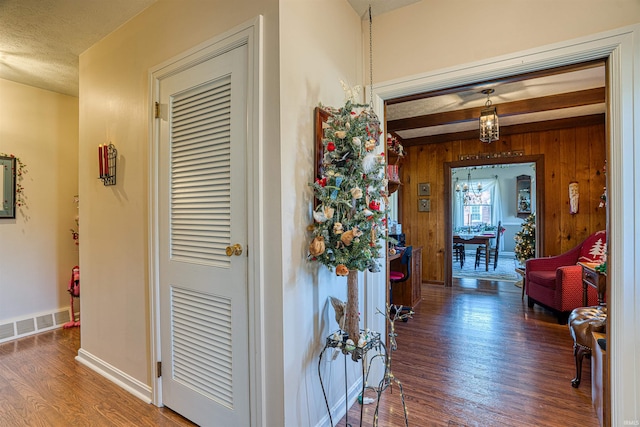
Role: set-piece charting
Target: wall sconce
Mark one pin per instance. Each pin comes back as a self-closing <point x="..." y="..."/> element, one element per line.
<point x="489" y="128"/>
<point x="107" y="155"/>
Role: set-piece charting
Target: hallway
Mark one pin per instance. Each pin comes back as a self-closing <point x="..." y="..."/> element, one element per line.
<point x="476" y="355"/>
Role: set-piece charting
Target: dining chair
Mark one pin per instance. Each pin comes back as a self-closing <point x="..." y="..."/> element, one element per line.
<point x="458" y="253"/>
<point x="481" y="252"/>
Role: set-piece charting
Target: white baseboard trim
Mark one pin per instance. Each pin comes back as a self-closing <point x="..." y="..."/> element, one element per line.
<point x="140" y="390"/>
<point x="338" y="410"/>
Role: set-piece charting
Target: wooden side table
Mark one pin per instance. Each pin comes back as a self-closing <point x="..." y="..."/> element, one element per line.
<point x="591" y="277"/>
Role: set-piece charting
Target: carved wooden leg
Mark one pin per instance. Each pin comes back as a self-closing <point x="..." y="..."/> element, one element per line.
<point x="579" y="353"/>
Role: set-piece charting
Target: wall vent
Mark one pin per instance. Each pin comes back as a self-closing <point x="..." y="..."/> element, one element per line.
<point x="6" y="331"/>
<point x="45" y="321"/>
<point x="38" y="322"/>
<point x="25" y="326"/>
<point x="62" y="317"/>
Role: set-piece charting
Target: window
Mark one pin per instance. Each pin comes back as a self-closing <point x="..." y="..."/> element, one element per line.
<point x="477" y="208"/>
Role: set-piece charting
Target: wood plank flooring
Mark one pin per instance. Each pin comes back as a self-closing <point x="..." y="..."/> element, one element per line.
<point x="42" y="385"/>
<point x="473" y="355"/>
<point x="476" y="355"/>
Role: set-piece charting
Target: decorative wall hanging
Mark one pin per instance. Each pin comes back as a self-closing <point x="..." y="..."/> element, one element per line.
<point x="478" y="156"/>
<point x="7" y="187"/>
<point x="12" y="171"/>
<point x="574" y="197"/>
<point x="107" y="156"/>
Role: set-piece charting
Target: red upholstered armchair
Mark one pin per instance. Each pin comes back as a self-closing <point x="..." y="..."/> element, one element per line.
<point x="556" y="282"/>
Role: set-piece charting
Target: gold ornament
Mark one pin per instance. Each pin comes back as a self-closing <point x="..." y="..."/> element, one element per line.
<point x="317" y="246"/>
<point x="348" y="236"/>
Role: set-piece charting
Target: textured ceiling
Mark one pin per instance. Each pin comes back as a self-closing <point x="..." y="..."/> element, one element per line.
<point x="40" y="40"/>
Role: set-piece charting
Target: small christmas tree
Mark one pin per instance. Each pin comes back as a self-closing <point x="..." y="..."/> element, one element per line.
<point x="349" y="219"/>
<point x="526" y="240"/>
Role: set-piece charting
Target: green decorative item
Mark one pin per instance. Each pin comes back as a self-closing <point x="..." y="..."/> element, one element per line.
<point x="526" y="240"/>
<point x="351" y="194"/>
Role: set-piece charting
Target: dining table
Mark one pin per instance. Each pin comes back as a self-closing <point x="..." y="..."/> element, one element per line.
<point x="481" y="238"/>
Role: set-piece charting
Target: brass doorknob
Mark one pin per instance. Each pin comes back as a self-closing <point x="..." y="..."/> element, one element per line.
<point x="235" y="249"/>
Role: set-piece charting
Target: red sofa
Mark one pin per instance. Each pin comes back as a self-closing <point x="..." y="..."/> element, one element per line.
<point x="556" y="282"/>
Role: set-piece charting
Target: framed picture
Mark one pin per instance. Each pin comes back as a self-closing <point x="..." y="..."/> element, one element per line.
<point x="321" y="117"/>
<point x="7" y="187"/>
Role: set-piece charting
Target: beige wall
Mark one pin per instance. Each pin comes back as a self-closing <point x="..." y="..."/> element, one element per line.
<point x="37" y="251"/>
<point x="436" y="34"/>
<point x="114" y="97"/>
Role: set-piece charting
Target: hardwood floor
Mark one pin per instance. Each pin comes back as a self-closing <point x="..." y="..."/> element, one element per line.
<point x="473" y="355"/>
<point x="42" y="385"/>
<point x="476" y="355"/>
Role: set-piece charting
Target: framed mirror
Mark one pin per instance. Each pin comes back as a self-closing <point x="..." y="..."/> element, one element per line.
<point x="7" y="187"/>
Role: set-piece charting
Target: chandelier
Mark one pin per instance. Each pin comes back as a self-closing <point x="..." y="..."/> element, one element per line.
<point x="466" y="191"/>
<point x="489" y="129"/>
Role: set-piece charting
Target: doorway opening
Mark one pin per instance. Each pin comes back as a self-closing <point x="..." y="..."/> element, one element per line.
<point x="489" y="204"/>
<point x="484" y="223"/>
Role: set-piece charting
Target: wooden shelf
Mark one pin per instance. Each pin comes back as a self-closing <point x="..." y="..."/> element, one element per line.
<point x="393" y="186"/>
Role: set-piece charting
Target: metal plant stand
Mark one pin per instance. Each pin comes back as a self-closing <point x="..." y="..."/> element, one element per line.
<point x="338" y="340"/>
<point x="393" y="313"/>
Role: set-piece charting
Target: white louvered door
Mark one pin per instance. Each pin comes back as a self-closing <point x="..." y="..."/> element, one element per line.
<point x="203" y="291"/>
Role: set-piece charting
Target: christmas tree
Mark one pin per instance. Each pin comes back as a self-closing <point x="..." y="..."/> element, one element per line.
<point x="351" y="194"/>
<point x="526" y="240"/>
<point x="348" y="220"/>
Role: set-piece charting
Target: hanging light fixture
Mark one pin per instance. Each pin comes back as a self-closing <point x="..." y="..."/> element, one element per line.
<point x="489" y="128"/>
<point x="466" y="192"/>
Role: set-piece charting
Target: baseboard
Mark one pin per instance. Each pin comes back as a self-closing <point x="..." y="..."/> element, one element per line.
<point x="137" y="388"/>
<point x="12" y="329"/>
<point x="338" y="410"/>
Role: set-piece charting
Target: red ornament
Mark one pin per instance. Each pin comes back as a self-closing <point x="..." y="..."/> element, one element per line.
<point x="374" y="206"/>
<point x="331" y="146"/>
<point x="321" y="182"/>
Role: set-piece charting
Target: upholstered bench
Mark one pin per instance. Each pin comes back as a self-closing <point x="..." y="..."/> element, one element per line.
<point x="582" y="321"/>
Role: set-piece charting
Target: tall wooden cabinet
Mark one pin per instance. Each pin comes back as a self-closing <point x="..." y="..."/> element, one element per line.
<point x="523" y="196"/>
<point x="408" y="293"/>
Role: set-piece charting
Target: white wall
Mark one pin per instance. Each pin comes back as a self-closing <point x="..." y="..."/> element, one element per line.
<point x="37" y="251"/>
<point x="319" y="47"/>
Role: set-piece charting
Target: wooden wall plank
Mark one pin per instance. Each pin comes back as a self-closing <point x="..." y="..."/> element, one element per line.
<point x="569" y="154"/>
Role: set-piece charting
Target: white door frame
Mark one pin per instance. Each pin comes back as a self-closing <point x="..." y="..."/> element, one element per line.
<point x="249" y="34"/>
<point x="621" y="47"/>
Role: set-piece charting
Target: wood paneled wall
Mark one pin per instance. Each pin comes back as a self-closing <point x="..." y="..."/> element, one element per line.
<point x="570" y="154"/>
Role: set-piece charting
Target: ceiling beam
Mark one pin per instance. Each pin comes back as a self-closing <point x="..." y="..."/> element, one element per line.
<point x="477" y="86"/>
<point x="589" y="120"/>
<point x="526" y="106"/>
